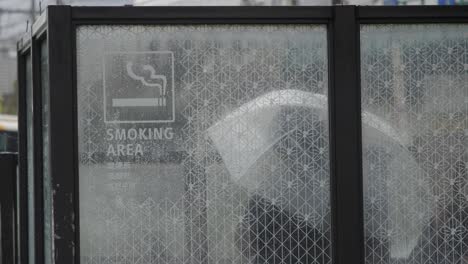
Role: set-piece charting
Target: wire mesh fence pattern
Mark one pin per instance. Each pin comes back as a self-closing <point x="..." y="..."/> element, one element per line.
<point x="416" y="189"/>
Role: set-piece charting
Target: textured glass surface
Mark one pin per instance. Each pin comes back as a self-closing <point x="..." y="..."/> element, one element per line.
<point x="47" y="188"/>
<point x="415" y="79"/>
<point x="30" y="156"/>
<point x="203" y="144"/>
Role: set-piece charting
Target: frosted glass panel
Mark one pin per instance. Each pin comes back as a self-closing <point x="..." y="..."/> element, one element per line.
<point x="203" y="144"/>
<point x="415" y="84"/>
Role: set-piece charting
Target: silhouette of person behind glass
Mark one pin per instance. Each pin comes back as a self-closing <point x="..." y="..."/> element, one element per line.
<point x="271" y="235"/>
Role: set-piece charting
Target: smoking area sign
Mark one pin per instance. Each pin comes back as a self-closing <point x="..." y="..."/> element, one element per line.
<point x="139" y="87"/>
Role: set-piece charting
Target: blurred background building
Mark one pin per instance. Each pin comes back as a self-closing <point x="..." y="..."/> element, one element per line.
<point x="16" y="17"/>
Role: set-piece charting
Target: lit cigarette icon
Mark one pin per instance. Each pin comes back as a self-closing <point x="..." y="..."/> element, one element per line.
<point x="144" y="102"/>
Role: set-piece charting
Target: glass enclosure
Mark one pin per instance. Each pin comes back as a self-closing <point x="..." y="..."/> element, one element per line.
<point x="203" y="144"/>
<point x="415" y="168"/>
<point x="220" y="135"/>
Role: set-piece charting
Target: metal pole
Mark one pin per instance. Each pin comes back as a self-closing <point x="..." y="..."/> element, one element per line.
<point x="33" y="11"/>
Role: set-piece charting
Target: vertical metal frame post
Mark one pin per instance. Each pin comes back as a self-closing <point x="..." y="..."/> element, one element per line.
<point x="346" y="148"/>
<point x="38" y="148"/>
<point x="62" y="133"/>
<point x="22" y="233"/>
<point x="39" y="34"/>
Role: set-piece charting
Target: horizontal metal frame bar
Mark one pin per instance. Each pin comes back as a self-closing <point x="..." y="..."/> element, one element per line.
<point x="200" y="21"/>
<point x="190" y="14"/>
<point x="251" y="15"/>
<point x="412" y="14"/>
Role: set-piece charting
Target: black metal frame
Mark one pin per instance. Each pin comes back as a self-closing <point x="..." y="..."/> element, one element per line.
<point x="29" y="45"/>
<point x="345" y="133"/>
<point x="8" y="208"/>
<point x="38" y="146"/>
<point x="24" y="50"/>
<point x="343" y="24"/>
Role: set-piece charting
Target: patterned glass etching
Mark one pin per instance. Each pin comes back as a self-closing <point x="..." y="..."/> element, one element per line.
<point x="415" y="79"/>
<point x="30" y="157"/>
<point x="47" y="188"/>
<point x="203" y="144"/>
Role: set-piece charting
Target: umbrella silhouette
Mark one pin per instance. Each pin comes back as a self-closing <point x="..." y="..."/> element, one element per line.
<point x="248" y="133"/>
